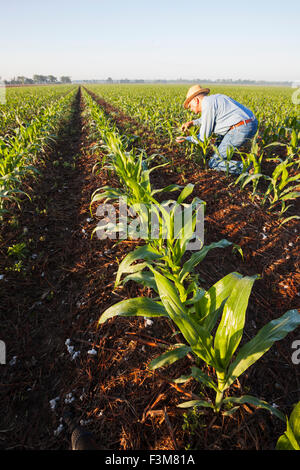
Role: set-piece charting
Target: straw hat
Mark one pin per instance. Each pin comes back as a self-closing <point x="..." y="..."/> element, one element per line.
<point x="194" y="91"/>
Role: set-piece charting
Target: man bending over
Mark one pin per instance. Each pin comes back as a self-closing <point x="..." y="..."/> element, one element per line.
<point x="221" y="115"/>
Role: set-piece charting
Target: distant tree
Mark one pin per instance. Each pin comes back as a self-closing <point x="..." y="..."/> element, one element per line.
<point x="109" y="80"/>
<point x="51" y="79"/>
<point x="21" y="79"/>
<point x="40" y="78"/>
<point x="65" y="79"/>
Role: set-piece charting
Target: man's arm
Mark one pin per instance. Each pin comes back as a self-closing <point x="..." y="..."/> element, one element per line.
<point x="192" y="139"/>
<point x="207" y="122"/>
<point x="185" y="126"/>
<point x="197" y="122"/>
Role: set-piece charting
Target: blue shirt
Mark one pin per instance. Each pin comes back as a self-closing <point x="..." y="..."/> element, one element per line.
<point x="219" y="113"/>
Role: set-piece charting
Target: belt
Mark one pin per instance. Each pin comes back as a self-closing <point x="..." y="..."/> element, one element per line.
<point x="241" y="123"/>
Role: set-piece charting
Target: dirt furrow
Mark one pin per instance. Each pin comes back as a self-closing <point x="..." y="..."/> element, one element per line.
<point x="41" y="300"/>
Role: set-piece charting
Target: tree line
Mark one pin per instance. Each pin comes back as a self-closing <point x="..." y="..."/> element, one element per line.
<point x="37" y="79"/>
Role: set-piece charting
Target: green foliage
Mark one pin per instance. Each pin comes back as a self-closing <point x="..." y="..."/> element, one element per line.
<point x="224" y="307"/>
<point x="211" y="321"/>
<point x="160" y="108"/>
<point x="19" y="251"/>
<point x="290" y="440"/>
<point x="21" y="148"/>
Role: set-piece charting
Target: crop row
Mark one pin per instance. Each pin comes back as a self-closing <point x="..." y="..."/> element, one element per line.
<point x="212" y="320"/>
<point x="21" y="149"/>
<point x="160" y="107"/>
<point x="24" y="104"/>
<point x="274" y="154"/>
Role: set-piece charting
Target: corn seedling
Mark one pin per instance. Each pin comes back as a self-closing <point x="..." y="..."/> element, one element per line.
<point x="290" y="440"/>
<point x="202" y="147"/>
<point x="226" y="302"/>
<point x="254" y="160"/>
<point x="282" y="187"/>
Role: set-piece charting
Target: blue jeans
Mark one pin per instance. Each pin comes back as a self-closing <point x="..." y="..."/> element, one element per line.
<point x="234" y="139"/>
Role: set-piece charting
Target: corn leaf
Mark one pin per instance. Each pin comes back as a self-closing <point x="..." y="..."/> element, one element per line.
<point x="170" y="357"/>
<point x="197" y="337"/>
<point x="290" y="440"/>
<point x="197" y="257"/>
<point x="139" y="306"/>
<point x="169" y="188"/>
<point x="230" y="329"/>
<point x="250" y="352"/>
<point x="203" y="378"/>
<point x="287" y="219"/>
<point x="145" y="278"/>
<point x="250" y="400"/>
<point x="251" y="178"/>
<point x="194" y="403"/>
<point x="294" y="421"/>
<point x="145" y="252"/>
<point x="187" y="190"/>
<point x="209" y="306"/>
<point x="290" y="195"/>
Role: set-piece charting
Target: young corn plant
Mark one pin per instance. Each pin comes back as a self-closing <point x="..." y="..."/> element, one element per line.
<point x="222" y="309"/>
<point x="290" y="440"/>
<point x="229" y="154"/>
<point x="252" y="159"/>
<point x="292" y="148"/>
<point x="136" y="191"/>
<point x="282" y="186"/>
<point x="202" y="148"/>
<point x="167" y="251"/>
<point x="166" y="241"/>
<point x="132" y="171"/>
<point x="169" y="127"/>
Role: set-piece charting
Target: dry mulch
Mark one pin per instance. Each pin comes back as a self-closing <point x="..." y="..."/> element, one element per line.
<point x="67" y="282"/>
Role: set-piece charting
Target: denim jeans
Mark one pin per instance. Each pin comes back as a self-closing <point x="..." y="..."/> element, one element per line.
<point x="234" y="139"/>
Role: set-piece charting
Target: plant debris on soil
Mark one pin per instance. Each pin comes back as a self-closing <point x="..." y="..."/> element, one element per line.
<point x="57" y="356"/>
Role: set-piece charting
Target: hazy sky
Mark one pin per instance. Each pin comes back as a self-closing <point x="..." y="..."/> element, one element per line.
<point x="167" y="39"/>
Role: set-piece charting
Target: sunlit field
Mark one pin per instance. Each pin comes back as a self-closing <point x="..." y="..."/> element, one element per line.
<point x="158" y="343"/>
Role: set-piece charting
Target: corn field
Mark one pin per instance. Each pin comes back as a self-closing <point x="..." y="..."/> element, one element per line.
<point x="160" y="337"/>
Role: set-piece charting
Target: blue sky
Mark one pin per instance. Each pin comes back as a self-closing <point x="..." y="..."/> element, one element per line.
<point x="151" y="39"/>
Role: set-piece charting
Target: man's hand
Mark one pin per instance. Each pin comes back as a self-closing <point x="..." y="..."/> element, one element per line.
<point x="180" y="139"/>
<point x="186" y="125"/>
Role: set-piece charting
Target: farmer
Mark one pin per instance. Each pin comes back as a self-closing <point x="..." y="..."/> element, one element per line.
<point x="221" y="115"/>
